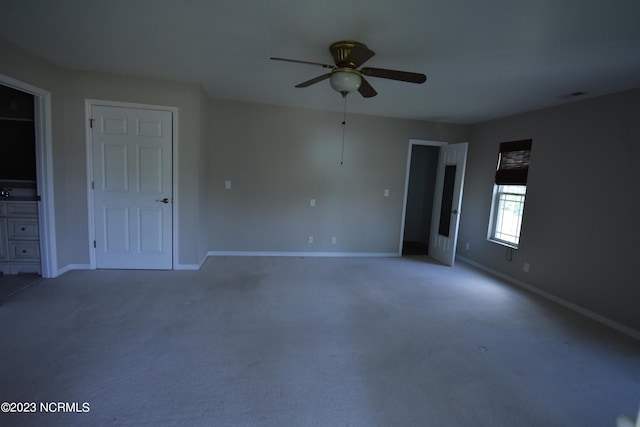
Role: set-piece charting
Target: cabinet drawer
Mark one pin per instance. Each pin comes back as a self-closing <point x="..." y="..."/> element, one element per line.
<point x="24" y="251"/>
<point x="4" y="246"/>
<point x="19" y="228"/>
<point x="22" y="209"/>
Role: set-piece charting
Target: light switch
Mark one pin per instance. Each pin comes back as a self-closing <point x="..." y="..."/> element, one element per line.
<point x="227" y="185"/>
<point x="312" y="203"/>
<point x="386" y="192"/>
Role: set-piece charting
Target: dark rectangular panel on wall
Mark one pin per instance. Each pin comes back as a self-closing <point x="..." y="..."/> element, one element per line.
<point x="447" y="200"/>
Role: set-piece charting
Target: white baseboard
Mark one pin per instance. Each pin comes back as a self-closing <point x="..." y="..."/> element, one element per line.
<point x="188" y="267"/>
<point x="252" y="253"/>
<point x="70" y="267"/>
<point x="191" y="266"/>
<point x="283" y="254"/>
<point x="590" y="314"/>
<point x="305" y="254"/>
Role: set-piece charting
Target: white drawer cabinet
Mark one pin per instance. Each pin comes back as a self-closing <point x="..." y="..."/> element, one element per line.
<point x="4" y="242"/>
<point x="19" y="238"/>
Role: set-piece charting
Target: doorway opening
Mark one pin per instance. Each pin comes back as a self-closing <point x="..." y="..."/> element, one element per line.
<point x="423" y="166"/>
<point x="441" y="215"/>
<point x="32" y="180"/>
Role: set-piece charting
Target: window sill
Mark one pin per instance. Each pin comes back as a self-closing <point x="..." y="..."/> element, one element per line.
<point x="503" y="243"/>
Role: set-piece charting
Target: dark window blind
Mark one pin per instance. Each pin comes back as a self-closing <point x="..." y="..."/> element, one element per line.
<point x="513" y="166"/>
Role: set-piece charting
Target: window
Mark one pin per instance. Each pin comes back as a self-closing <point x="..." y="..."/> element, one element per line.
<point x="509" y="193"/>
<point x="508" y="204"/>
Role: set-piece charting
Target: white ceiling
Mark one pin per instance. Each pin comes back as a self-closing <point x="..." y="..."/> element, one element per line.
<point x="484" y="59"/>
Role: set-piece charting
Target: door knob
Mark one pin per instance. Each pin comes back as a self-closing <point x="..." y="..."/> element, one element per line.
<point x="455" y="211"/>
<point x="165" y="200"/>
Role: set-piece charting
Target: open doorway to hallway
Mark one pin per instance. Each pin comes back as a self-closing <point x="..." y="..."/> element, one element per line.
<point x="420" y="196"/>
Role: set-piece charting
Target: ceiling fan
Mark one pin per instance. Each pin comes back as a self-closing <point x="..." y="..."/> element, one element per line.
<point x="345" y="77"/>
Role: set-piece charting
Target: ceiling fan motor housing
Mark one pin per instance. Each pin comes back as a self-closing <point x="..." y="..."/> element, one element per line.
<point x="341" y="51"/>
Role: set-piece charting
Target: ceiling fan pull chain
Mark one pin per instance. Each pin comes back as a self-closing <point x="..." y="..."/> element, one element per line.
<point x="344" y="125"/>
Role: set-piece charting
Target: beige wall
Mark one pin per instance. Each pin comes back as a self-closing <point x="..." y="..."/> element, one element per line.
<point x="580" y="230"/>
<point x="188" y="99"/>
<point x="69" y="89"/>
<point x="27" y="68"/>
<point x="279" y="158"/>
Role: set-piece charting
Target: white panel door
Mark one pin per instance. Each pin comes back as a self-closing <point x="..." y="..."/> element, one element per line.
<point x="452" y="161"/>
<point x="132" y="191"/>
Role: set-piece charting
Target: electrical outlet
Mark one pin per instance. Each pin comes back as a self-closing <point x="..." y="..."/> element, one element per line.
<point x="526" y="267"/>
<point x="386" y="192"/>
<point x="227" y="185"/>
<point x="312" y="203"/>
<point x="333" y="240"/>
<point x="466" y="246"/>
<point x="310" y="239"/>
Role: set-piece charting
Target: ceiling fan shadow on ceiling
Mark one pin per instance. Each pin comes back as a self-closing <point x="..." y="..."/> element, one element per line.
<point x="345" y="77"/>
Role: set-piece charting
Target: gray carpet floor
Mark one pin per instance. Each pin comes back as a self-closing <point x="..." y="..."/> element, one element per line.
<point x="268" y="341"/>
<point x="12" y="284"/>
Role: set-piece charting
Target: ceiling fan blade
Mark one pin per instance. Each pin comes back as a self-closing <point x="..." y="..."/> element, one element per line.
<point x="314" y="81"/>
<point x="365" y="89"/>
<point x="359" y="55"/>
<point x="403" y="76"/>
<point x="304" y="62"/>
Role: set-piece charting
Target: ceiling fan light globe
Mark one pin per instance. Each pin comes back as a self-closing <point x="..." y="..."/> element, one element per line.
<point x="345" y="81"/>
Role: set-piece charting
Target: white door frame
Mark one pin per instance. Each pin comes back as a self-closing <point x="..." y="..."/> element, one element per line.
<point x="88" y="104"/>
<point x="412" y="143"/>
<point x="44" y="172"/>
